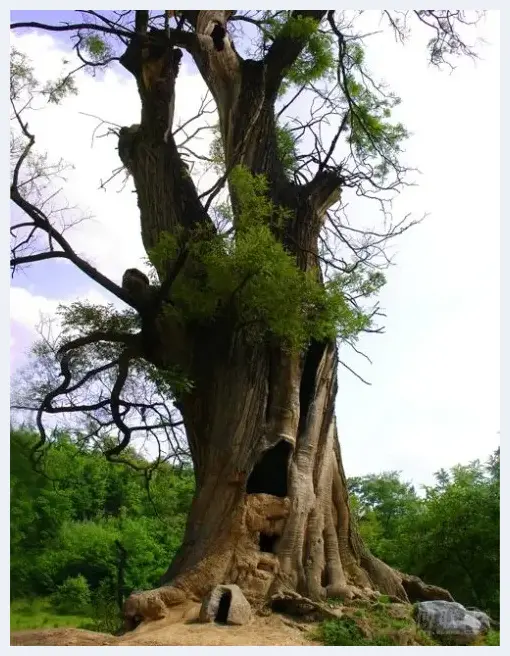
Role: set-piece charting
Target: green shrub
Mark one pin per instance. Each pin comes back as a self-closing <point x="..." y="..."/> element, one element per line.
<point x="73" y="596"/>
<point x="384" y="630"/>
<point x="70" y="527"/>
<point x="345" y="632"/>
<point x="106" y="615"/>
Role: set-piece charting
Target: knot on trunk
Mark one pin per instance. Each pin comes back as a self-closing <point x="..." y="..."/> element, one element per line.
<point x="127" y="145"/>
<point x="138" y="286"/>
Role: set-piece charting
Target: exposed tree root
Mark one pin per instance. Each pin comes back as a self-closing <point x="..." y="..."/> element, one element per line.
<point x="296" y="605"/>
<point x="293" y="551"/>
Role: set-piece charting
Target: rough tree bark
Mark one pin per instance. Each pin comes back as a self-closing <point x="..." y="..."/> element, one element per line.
<point x="271" y="509"/>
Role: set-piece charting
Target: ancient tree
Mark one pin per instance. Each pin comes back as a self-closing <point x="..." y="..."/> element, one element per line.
<point x="256" y="286"/>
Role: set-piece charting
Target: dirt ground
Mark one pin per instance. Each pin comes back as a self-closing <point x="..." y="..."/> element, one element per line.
<point x="179" y="629"/>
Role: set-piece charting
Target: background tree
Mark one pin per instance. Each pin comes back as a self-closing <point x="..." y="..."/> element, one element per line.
<point x="460" y="548"/>
<point x="385" y="508"/>
<point x="66" y="519"/>
<point x="248" y="293"/>
<point x="449" y="535"/>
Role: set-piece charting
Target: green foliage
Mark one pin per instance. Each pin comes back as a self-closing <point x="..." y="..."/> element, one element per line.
<point x="65" y="524"/>
<point x="460" y="548"/>
<point x="492" y="639"/>
<point x="372" y="134"/>
<point x="341" y="632"/>
<point x="286" y="144"/>
<point x="317" y="57"/>
<point x="438" y="537"/>
<point x="345" y="632"/>
<point x="172" y="383"/>
<point x="96" y="48"/>
<point x="105" y="614"/>
<point x="82" y="317"/>
<point x="383" y="493"/>
<point x="255" y="280"/>
<point x="86" y="547"/>
<point x="57" y="90"/>
<point x="73" y="596"/>
<point x="22" y="80"/>
<point x="217" y="152"/>
<point x="372" y="626"/>
<point x="21" y="74"/>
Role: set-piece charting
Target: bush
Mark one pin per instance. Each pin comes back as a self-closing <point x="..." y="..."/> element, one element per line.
<point x="373" y="627"/>
<point x="106" y="616"/>
<point x="342" y="632"/>
<point x="73" y="596"/>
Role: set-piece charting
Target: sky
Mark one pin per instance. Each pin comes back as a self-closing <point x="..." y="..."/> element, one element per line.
<point x="434" y="397"/>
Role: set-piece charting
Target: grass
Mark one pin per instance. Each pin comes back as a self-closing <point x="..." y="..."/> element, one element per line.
<point x="373" y="624"/>
<point x="37" y="613"/>
<point x="492" y="639"/>
<point x="381" y="624"/>
<point x="346" y="632"/>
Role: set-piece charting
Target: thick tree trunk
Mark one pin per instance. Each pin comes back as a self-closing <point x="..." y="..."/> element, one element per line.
<point x="271" y="510"/>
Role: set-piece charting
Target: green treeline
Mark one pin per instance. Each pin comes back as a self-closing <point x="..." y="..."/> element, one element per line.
<point x="450" y="537"/>
<point x="85" y="518"/>
<point x="86" y="530"/>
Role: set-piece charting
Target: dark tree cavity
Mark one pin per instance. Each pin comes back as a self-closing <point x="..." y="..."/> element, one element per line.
<point x="269" y="476"/>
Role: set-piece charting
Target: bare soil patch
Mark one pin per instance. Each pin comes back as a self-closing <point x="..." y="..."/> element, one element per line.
<point x="180" y="628"/>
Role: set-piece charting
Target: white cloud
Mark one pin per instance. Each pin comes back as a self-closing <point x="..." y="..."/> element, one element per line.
<point x="28" y="309"/>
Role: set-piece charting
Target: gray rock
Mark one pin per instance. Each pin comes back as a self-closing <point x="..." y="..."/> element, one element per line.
<point x="483" y="618"/>
<point x="451" y="621"/>
<point x="225" y="604"/>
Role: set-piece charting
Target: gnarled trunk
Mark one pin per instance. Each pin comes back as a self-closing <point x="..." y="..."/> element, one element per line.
<point x="271" y="510"/>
